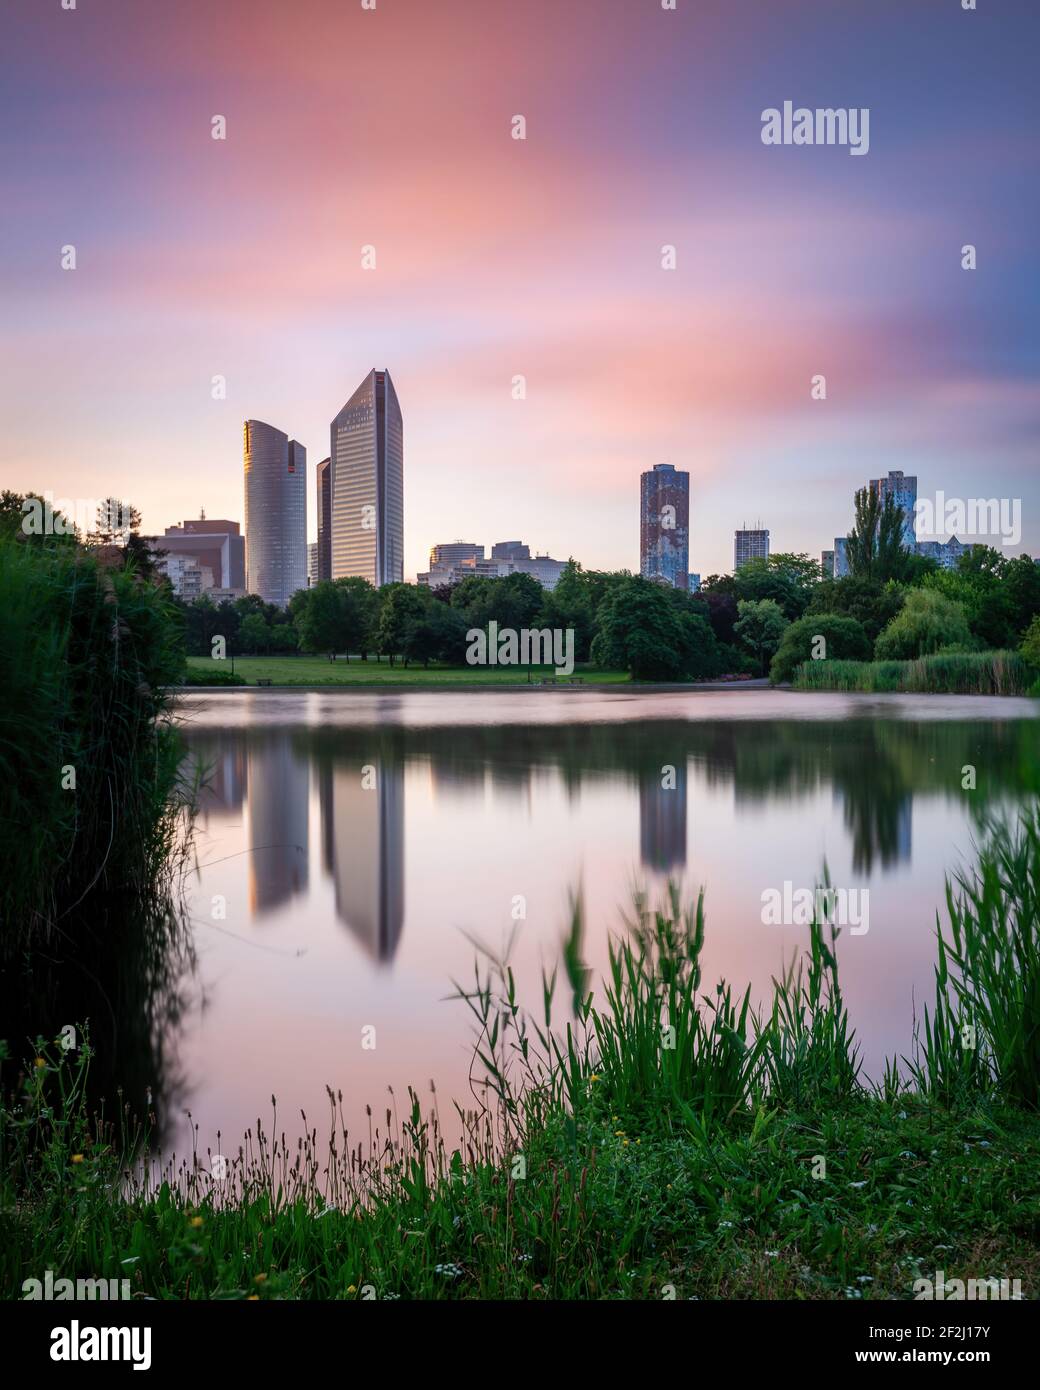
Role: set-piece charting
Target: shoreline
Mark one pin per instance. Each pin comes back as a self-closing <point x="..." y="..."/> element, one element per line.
<point x="462" y="688"/>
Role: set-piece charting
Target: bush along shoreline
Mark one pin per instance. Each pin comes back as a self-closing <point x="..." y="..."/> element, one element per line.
<point x="667" y="1140"/>
<point x="944" y="673"/>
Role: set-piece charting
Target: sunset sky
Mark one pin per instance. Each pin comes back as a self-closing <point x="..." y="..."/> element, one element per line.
<point x="498" y="257"/>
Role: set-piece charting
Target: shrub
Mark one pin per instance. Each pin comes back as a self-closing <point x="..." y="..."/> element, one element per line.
<point x="927" y="622"/>
<point x="843" y="637"/>
<point x="204" y="675"/>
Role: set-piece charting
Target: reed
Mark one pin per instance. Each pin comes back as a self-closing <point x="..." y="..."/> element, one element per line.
<point x="944" y="673"/>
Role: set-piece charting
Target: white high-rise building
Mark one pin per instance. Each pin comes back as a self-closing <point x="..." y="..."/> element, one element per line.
<point x="903" y="491"/>
<point x="275" y="513"/>
<point x="366" y="484"/>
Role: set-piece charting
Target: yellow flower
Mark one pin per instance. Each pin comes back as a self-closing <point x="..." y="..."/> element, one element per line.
<point x="639" y="1141"/>
<point x="77" y="1158"/>
<point x="624" y="1141"/>
<point x="593" y="1077"/>
<point x="351" y="1288"/>
<point x="253" y="1298"/>
<point x="618" y="1133"/>
<point x="196" y="1222"/>
<point x="41" y="1061"/>
<point x="259" y="1278"/>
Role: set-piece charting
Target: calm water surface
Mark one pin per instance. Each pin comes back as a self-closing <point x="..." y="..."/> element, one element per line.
<point x="349" y="843"/>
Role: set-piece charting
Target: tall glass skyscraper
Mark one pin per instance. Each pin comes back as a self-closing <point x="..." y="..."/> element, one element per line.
<point x="324" y="487"/>
<point x="366" y="451"/>
<point x="276" y="513"/>
<point x="664" y="525"/>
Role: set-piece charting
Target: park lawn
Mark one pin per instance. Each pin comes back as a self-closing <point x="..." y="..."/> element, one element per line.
<point x="319" y="670"/>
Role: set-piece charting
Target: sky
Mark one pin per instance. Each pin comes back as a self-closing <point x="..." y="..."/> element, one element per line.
<point x="542" y="258"/>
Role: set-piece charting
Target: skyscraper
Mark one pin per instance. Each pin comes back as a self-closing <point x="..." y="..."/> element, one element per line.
<point x="664" y="525"/>
<point x="749" y="545"/>
<point x="366" y="451"/>
<point x="324" y="482"/>
<point x="903" y="492"/>
<point x="276" y="513"/>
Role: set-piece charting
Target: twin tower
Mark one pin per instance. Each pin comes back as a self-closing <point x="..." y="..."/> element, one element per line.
<point x="360" y="498"/>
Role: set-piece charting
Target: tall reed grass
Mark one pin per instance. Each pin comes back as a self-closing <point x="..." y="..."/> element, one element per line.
<point x="944" y="673"/>
<point x="87" y="652"/>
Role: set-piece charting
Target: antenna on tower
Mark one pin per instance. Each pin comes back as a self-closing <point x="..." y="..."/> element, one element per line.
<point x="202" y="513"/>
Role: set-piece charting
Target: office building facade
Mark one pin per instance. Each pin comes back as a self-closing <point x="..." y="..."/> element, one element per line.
<point x="323" y="479"/>
<point x="664" y="525"/>
<point x="276" y="513"/>
<point x="366" y="453"/>
<point x="749" y="545"/>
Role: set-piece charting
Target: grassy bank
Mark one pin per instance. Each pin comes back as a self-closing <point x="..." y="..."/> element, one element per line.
<point x="665" y="1139"/>
<point x="954" y="673"/>
<point x="319" y="670"/>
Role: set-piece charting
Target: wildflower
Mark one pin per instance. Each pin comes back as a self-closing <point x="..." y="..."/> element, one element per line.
<point x="858" y="1184"/>
<point x="259" y="1278"/>
<point x="77" y="1158"/>
<point x="593" y="1077"/>
<point x="40" y="1062"/>
<point x="619" y="1133"/>
<point x="253" y="1298"/>
<point x="624" y="1142"/>
<point x="351" y="1288"/>
<point x="195" y="1222"/>
<point x="450" y="1271"/>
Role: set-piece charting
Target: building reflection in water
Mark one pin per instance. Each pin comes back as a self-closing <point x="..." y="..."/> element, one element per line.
<point x="279" y="782"/>
<point x="662" y="819"/>
<point x="362" y="816"/>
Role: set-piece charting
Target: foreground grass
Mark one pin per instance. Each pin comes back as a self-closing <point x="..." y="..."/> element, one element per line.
<point x="953" y="673"/>
<point x="665" y="1142"/>
<point x="910" y="1189"/>
<point x="318" y="670"/>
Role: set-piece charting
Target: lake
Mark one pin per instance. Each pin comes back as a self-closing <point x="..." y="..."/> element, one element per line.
<point x="350" y="846"/>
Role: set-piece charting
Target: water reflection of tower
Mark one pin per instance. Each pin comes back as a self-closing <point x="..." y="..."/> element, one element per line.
<point x="662" y="818"/>
<point x="223" y="788"/>
<point x="278" y="789"/>
<point x="362" y="814"/>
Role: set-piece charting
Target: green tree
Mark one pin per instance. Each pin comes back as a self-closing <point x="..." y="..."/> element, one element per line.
<point x="787" y="579"/>
<point x="870" y="602"/>
<point x="760" y="626"/>
<point x="874" y="547"/>
<point x="639" y="629"/>
<point x="1031" y="644"/>
<point x="438" y="635"/>
<point x="254" y="636"/>
<point x="927" y="622"/>
<point x="843" y="638"/>
<point x="401" y="606"/>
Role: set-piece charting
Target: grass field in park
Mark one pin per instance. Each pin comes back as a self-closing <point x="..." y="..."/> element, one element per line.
<point x="319" y="670"/>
